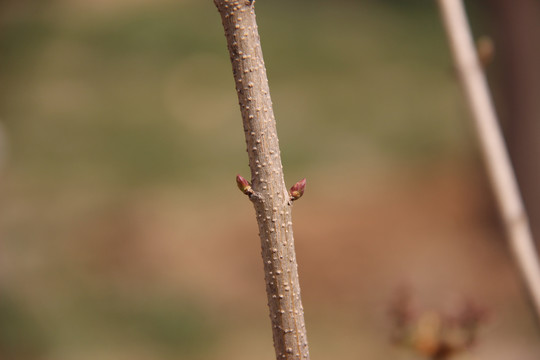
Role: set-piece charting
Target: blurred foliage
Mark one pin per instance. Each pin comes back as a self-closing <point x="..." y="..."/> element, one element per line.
<point x="21" y="336"/>
<point x="144" y="95"/>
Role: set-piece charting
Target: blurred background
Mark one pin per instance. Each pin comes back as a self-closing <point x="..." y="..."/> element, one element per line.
<point x="123" y="235"/>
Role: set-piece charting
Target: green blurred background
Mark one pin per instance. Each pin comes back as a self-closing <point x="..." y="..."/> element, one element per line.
<point x="123" y="235"/>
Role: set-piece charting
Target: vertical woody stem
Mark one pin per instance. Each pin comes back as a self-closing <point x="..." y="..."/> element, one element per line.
<point x="489" y="134"/>
<point x="270" y="199"/>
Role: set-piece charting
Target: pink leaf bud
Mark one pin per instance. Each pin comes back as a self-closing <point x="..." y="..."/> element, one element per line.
<point x="244" y="185"/>
<point x="297" y="190"/>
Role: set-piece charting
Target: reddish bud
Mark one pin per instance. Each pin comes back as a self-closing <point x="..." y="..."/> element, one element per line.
<point x="297" y="190"/>
<point x="244" y="185"/>
<point x="486" y="50"/>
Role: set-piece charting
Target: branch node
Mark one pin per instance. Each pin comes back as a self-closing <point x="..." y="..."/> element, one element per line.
<point x="255" y="196"/>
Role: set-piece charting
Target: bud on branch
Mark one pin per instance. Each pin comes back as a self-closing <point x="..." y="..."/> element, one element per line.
<point x="297" y="190"/>
<point x="244" y="185"/>
<point x="485" y="50"/>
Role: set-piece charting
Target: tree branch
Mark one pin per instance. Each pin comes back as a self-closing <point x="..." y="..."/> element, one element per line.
<point x="494" y="150"/>
<point x="267" y="190"/>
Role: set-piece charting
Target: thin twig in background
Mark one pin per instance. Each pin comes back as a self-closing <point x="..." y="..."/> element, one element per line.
<point x="499" y="168"/>
<point x="267" y="191"/>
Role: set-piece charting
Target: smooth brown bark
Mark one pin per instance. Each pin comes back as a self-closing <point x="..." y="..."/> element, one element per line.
<point x="271" y="198"/>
